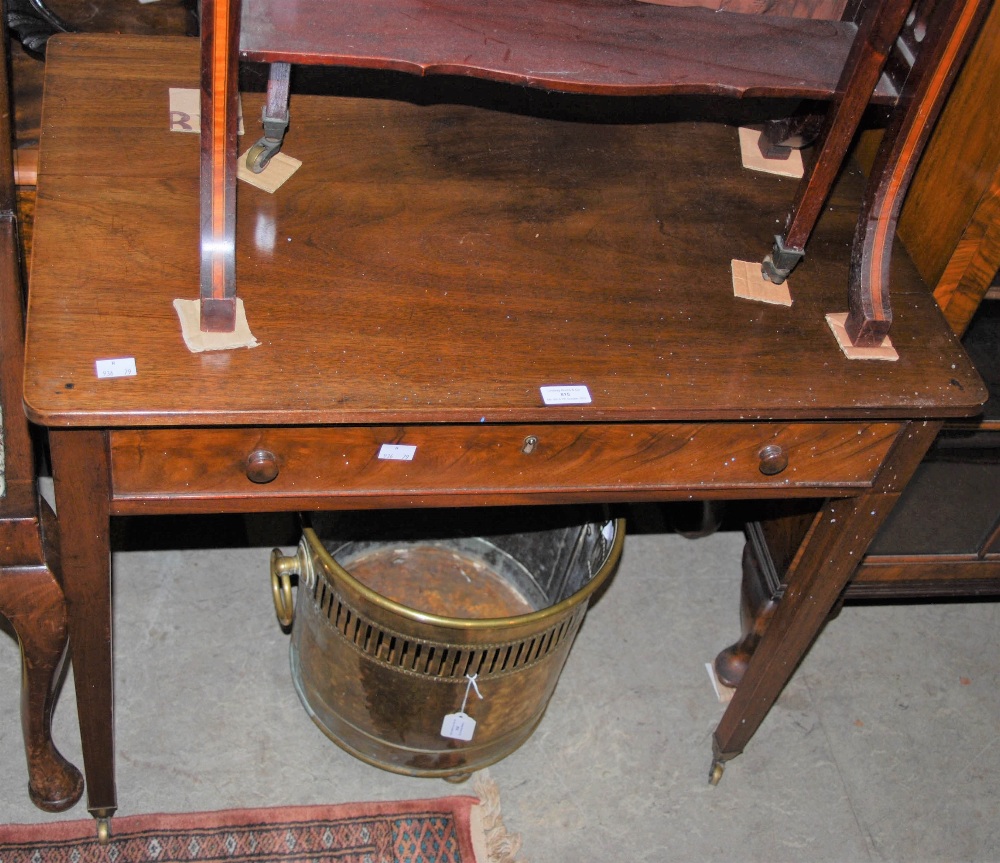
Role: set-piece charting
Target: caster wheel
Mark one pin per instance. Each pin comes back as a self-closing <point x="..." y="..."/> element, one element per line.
<point x="457" y="778"/>
<point x="257" y="157"/>
<point x="103" y="831"/>
<point x="715" y="774"/>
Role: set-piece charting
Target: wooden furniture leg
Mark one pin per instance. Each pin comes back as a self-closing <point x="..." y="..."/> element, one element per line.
<point x="274" y="117"/>
<point x="936" y="41"/>
<point x="949" y="35"/>
<point x="220" y="21"/>
<point x="30" y="595"/>
<point x="834" y="543"/>
<point x="877" y="31"/>
<point x="760" y="592"/>
<point x="81" y="471"/>
<point x="32" y="600"/>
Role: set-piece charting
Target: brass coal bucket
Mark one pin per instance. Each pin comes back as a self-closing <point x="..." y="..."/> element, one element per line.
<point x="430" y="644"/>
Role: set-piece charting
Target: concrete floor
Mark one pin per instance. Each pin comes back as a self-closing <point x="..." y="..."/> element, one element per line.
<point x="885" y="746"/>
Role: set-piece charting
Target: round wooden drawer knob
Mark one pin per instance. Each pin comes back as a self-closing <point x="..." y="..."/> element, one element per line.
<point x="262" y="466"/>
<point x="773" y="459"/>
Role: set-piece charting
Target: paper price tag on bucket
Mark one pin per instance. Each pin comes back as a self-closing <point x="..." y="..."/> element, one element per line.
<point x="461" y="726"/>
<point x="458" y="726"/>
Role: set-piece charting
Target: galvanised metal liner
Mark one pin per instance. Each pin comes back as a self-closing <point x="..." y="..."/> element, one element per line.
<point x="430" y="644"/>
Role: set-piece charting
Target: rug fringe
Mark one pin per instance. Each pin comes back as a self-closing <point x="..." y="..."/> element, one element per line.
<point x="503" y="847"/>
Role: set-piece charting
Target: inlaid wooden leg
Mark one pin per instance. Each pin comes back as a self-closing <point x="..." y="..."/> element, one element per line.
<point x="831" y="550"/>
<point x="31" y="599"/>
<point x="81" y="473"/>
<point x="220" y="21"/>
<point x="949" y="35"/>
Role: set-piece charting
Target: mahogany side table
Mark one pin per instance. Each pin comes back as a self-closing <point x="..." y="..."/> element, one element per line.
<point x="425" y="273"/>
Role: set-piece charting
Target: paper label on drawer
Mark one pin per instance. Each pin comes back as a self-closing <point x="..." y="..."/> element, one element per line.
<point x="123" y="367"/>
<point x="397" y="452"/>
<point x="566" y="395"/>
<point x="458" y="726"/>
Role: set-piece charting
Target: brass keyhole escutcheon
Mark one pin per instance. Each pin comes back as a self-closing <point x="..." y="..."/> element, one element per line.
<point x="530" y="442"/>
<point x="262" y="466"/>
<point x="773" y="459"/>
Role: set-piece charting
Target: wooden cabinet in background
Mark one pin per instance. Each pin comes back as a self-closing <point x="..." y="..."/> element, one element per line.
<point x="950" y="222"/>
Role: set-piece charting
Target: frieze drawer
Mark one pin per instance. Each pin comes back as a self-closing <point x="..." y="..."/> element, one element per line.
<point x="449" y="464"/>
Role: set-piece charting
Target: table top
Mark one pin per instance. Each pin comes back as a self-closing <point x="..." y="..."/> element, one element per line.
<point x="441" y="262"/>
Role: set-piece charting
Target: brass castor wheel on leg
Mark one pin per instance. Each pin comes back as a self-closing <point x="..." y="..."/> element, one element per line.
<point x="715" y="774"/>
<point x="260" y="154"/>
<point x="103" y="831"/>
<point x="457" y="778"/>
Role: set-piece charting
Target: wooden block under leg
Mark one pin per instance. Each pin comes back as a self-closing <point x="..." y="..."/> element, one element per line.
<point x="885" y="351"/>
<point x="749" y="284"/>
<point x="754" y="160"/>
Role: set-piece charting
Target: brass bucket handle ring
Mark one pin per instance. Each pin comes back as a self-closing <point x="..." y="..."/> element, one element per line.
<point x="282" y="570"/>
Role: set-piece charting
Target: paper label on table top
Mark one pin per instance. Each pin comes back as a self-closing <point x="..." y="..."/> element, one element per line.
<point x="123" y="367"/>
<point x="570" y="394"/>
<point x="397" y="452"/>
<point x="185" y="110"/>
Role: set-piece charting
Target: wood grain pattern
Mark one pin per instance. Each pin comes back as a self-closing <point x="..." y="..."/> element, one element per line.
<point x="950" y="33"/>
<point x="632" y="462"/>
<point x="31" y="598"/>
<point x="80" y="464"/>
<point x="951" y="218"/>
<point x="219" y="117"/>
<point x="924" y="576"/>
<point x="571" y="250"/>
<point x="428" y="273"/>
<point x="879" y="28"/>
<point x="816" y="578"/>
<point x="596" y="46"/>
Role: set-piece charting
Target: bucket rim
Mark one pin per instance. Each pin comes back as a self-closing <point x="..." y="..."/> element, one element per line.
<point x="474" y="623"/>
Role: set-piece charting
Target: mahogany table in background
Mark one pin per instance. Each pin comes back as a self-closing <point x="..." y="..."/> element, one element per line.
<point x="423" y="274"/>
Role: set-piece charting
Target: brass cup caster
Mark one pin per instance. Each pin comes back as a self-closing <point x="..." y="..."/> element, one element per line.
<point x="716" y="771"/>
<point x="260" y="154"/>
<point x="103" y="831"/>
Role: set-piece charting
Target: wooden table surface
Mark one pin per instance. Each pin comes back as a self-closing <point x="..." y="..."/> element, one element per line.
<point x="421" y="269"/>
<point x="431" y="265"/>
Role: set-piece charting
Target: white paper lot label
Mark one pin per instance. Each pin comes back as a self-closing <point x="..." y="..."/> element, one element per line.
<point x="458" y="726"/>
<point x="397" y="452"/>
<point x="461" y="726"/>
<point x="566" y="395"/>
<point x="119" y="368"/>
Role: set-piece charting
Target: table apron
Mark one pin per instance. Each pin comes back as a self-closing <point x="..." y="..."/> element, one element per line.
<point x="207" y="469"/>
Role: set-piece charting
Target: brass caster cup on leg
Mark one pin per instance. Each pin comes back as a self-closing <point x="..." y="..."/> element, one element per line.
<point x="715" y="774"/>
<point x="103" y="831"/>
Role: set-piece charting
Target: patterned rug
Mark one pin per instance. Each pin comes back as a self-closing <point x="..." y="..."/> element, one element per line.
<point x="456" y="829"/>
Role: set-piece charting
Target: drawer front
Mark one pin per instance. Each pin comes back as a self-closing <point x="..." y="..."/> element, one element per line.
<point x="464" y="464"/>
